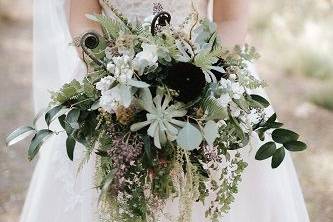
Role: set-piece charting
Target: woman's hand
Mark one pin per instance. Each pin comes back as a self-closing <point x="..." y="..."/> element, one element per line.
<point x="79" y="24"/>
<point x="231" y="18"/>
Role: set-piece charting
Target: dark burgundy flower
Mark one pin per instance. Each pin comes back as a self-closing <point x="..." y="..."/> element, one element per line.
<point x="187" y="79"/>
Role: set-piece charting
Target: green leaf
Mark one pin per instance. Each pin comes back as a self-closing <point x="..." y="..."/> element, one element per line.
<point x="37" y="117"/>
<point x="111" y="27"/>
<point x="273" y="125"/>
<point x="284" y="136"/>
<point x="19" y="134"/>
<point x="70" y="145"/>
<point x="266" y="151"/>
<point x="210" y="132"/>
<point x="189" y="137"/>
<point x="62" y="121"/>
<point x="278" y="157"/>
<point x="147" y="155"/>
<point x="272" y="118"/>
<point x="243" y="104"/>
<point x="237" y="126"/>
<point x="73" y="117"/>
<point x="37" y="141"/>
<point x="295" y="146"/>
<point x="261" y="133"/>
<point x="261" y="100"/>
<point x="214" y="109"/>
<point x="49" y="115"/>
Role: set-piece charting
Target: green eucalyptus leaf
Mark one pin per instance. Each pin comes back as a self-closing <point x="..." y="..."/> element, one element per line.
<point x="243" y="104"/>
<point x="19" y="134"/>
<point x="284" y="136"/>
<point x="261" y="100"/>
<point x="189" y="137"/>
<point x="266" y="151"/>
<point x="70" y="146"/>
<point x="295" y="146"/>
<point x="278" y="157"/>
<point x="210" y="132"/>
<point x="37" y="141"/>
<point x="73" y="117"/>
<point x="95" y="105"/>
<point x="49" y="115"/>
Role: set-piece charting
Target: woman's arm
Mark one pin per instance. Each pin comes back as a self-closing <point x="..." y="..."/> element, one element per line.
<point x="79" y="23"/>
<point x="231" y="18"/>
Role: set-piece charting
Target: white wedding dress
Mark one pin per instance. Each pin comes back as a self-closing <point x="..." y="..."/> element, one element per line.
<point x="58" y="194"/>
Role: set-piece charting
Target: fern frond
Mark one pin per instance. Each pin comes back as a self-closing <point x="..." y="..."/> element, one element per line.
<point x="119" y="15"/>
<point x="206" y="59"/>
<point x="248" y="53"/>
<point x="111" y="27"/>
<point x="213" y="108"/>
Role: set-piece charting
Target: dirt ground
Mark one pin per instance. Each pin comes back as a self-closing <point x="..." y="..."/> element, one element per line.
<point x="289" y="95"/>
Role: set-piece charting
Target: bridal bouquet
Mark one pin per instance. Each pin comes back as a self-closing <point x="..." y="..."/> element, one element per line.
<point x="167" y="110"/>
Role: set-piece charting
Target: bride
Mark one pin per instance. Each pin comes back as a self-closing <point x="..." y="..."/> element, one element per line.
<point x="59" y="194"/>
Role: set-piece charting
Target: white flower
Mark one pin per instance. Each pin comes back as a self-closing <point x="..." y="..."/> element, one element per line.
<point x="237" y="90"/>
<point x="225" y="83"/>
<point x="110" y="100"/>
<point x="234" y="89"/>
<point x="146" y="58"/>
<point x="233" y="76"/>
<point x="235" y="110"/>
<point x="161" y="117"/>
<point x="123" y="80"/>
<point x="109" y="53"/>
<point x="123" y="70"/>
<point x="224" y="100"/>
<point x="110" y="67"/>
<point x="149" y="53"/>
<point x="105" y="83"/>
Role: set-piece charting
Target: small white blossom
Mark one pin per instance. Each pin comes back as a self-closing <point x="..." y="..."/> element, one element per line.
<point x="233" y="76"/>
<point x="225" y="83"/>
<point x="110" y="100"/>
<point x="109" y="54"/>
<point x="123" y="80"/>
<point x="105" y="83"/>
<point x="123" y="70"/>
<point x="237" y="90"/>
<point x="110" y="67"/>
<point x="224" y="100"/>
<point x="235" y="110"/>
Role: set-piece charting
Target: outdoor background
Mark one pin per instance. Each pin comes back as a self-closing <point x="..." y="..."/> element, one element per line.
<point x="295" y="41"/>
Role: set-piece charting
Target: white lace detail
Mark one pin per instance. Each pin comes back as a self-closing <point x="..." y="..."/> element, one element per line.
<point x="140" y="9"/>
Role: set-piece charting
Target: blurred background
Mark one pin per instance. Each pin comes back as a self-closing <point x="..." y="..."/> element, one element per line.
<point x="295" y="41"/>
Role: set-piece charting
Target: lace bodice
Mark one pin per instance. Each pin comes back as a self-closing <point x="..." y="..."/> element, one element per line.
<point x="140" y="9"/>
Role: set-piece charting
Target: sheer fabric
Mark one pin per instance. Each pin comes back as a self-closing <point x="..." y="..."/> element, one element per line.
<point x="58" y="194"/>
